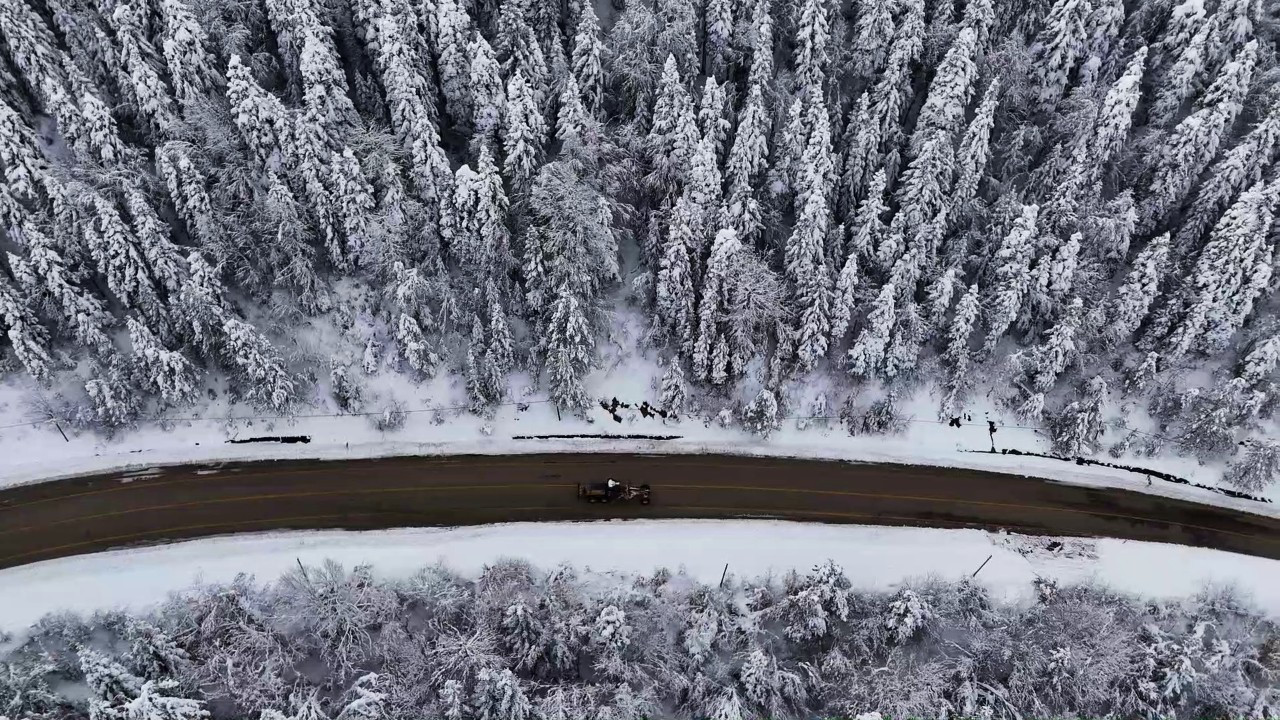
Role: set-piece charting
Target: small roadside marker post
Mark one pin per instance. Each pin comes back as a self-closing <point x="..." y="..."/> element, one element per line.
<point x="984" y="564"/>
<point x="723" y="574"/>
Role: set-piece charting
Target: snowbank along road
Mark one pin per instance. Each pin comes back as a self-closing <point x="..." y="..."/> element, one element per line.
<point x="80" y="515"/>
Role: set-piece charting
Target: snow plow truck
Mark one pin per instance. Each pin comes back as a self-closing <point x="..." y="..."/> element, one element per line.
<point x="610" y="490"/>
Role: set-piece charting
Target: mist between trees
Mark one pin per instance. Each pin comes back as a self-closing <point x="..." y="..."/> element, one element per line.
<point x="522" y="643"/>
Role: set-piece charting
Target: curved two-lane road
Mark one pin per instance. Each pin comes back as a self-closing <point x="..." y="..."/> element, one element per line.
<point x="80" y="515"/>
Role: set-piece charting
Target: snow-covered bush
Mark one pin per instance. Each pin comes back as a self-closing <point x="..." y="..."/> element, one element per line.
<point x="1256" y="468"/>
<point x="760" y="416"/>
<point x="881" y="417"/>
<point x="348" y="393"/>
<point x="907" y="616"/>
<point x="113" y="401"/>
<point x="391" y="418"/>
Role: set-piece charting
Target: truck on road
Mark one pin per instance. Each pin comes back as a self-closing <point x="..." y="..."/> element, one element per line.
<point x="610" y="490"/>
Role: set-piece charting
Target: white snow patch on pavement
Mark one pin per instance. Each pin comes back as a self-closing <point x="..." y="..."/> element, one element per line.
<point x="872" y="557"/>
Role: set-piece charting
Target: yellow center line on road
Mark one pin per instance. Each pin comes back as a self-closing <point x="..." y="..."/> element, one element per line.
<point x="211" y="474"/>
<point x="730" y="488"/>
<point x="280" y="496"/>
<point x="4" y="561"/>
<point x="982" y="503"/>
<point x="773" y="513"/>
<point x="127" y="483"/>
<point x="768" y="511"/>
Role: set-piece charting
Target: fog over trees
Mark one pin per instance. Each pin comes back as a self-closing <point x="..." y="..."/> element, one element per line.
<point x="1071" y="202"/>
<point x="522" y="643"/>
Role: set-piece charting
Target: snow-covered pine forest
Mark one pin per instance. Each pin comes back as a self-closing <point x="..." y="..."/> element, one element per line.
<point x="1070" y="202"/>
<point x="518" y="643"/>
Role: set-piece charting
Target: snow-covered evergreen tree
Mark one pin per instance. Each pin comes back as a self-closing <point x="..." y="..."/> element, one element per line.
<point x="949" y="91"/>
<point x="1116" y="114"/>
<point x="674" y="392"/>
<point x="488" y="97"/>
<point x="1261" y="360"/>
<point x="147" y="91"/>
<point x="499" y="357"/>
<point x="587" y="51"/>
<point x="1059" y="47"/>
<point x="748" y="158"/>
<point x="760" y="35"/>
<point x="760" y="416"/>
<point x="569" y="345"/>
<point x="266" y="380"/>
<point x="19" y="154"/>
<point x="1237" y="169"/>
<point x="43" y="273"/>
<point x="939" y="296"/>
<point x="188" y="191"/>
<point x="674" y="301"/>
<point x="166" y="372"/>
<point x="1133" y="299"/>
<point x="1011" y="276"/>
<point x="1060" y="348"/>
<point x="115" y="251"/>
<point x="719" y="26"/>
<point x="1105" y="25"/>
<point x="673" y="133"/>
<point x="712" y="119"/>
<point x="184" y="44"/>
<point x="1195" y="140"/>
<point x="1230" y="274"/>
<point x="452" y="30"/>
<point x="571" y="118"/>
<point x="110" y="684"/>
<point x="32" y="46"/>
<point x="971" y="157"/>
<point x="845" y="299"/>
<point x="476" y="369"/>
<point x="1078" y="428"/>
<point x="499" y="695"/>
<point x="872" y="35"/>
<point x="957" y="355"/>
<point x="202" y="302"/>
<point x="867" y="353"/>
<point x="155" y="701"/>
<point x="812" y="41"/>
<point x="1179" y="81"/>
<point x="26" y="337"/>
<point x="524" y="133"/>
<point x="810" y="274"/>
<point x="869" y="229"/>
<point x="1256" y="469"/>
<point x="260" y="117"/>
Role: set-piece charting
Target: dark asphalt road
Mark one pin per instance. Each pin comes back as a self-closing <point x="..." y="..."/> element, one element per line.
<point x="81" y="515"/>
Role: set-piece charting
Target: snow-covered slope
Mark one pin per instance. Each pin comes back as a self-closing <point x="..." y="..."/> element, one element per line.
<point x="32" y="453"/>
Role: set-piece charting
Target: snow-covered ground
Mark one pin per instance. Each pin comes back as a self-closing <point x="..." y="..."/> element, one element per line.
<point x="438" y="423"/>
<point x="873" y="558"/>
